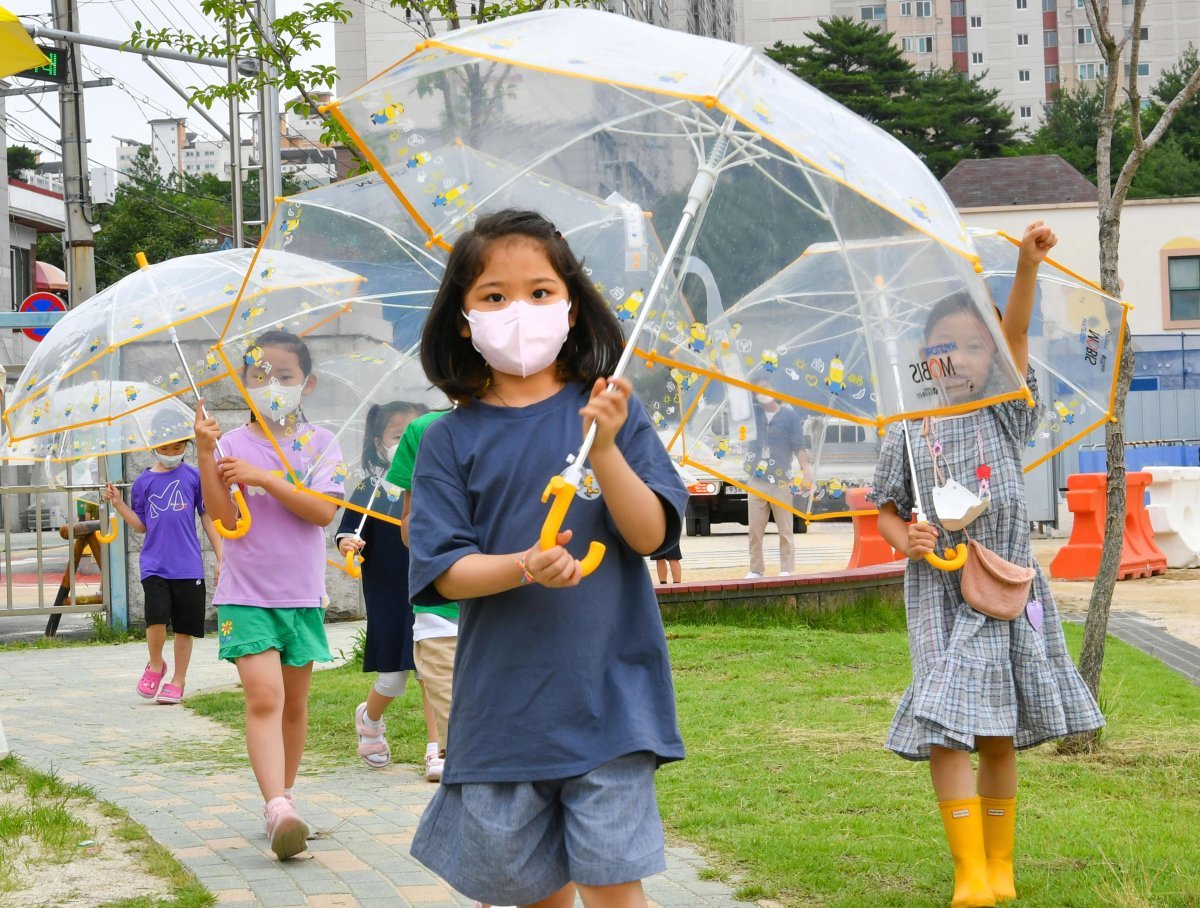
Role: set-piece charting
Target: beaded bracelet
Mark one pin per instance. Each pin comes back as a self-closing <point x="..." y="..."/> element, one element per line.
<point x="526" y="577"/>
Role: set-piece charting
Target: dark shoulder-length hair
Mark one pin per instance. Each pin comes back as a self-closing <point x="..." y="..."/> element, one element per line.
<point x="452" y="363"/>
<point x="378" y="417"/>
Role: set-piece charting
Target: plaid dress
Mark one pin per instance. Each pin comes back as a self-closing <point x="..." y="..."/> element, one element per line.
<point x="974" y="675"/>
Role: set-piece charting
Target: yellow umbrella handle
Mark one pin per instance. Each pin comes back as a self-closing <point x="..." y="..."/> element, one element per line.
<point x="351" y="566"/>
<point x="242" y="525"/>
<point x="563" y="493"/>
<point x="954" y="560"/>
<point x="108" y="537"/>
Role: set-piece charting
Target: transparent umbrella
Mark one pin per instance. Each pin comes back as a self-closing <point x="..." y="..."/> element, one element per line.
<point x="365" y="346"/>
<point x="740" y="163"/>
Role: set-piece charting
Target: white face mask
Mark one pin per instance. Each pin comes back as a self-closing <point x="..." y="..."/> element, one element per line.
<point x="170" y="461"/>
<point x="277" y="402"/>
<point x="389" y="454"/>
<point x="522" y="338"/>
<point x="956" y="505"/>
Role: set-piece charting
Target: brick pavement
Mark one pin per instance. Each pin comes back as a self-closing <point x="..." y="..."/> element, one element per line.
<point x="74" y="711"/>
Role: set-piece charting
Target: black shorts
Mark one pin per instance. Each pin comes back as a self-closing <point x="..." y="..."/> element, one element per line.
<point x="179" y="603"/>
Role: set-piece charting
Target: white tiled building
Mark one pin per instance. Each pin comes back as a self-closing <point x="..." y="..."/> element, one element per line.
<point x="176" y="150"/>
<point x="1025" y="48"/>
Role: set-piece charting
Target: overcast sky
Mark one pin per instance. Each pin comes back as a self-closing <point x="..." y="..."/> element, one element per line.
<point x="138" y="94"/>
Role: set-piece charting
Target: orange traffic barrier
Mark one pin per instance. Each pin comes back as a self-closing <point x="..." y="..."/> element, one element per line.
<point x="869" y="547"/>
<point x="1079" y="559"/>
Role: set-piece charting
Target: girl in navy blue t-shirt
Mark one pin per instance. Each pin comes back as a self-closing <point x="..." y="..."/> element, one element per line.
<point x="563" y="705"/>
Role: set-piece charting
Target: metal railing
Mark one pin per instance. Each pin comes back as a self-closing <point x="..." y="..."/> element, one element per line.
<point x="23" y="598"/>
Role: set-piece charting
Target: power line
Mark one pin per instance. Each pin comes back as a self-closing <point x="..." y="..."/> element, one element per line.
<point x="46" y="143"/>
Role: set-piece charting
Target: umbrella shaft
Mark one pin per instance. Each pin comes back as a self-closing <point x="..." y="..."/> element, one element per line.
<point x="187" y="370"/>
<point x="370" y="501"/>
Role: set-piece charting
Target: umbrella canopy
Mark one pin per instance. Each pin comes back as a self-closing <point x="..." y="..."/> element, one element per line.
<point x="750" y="163"/>
<point x="1074" y="344"/>
<point x="17" y="50"/>
<point x="742" y="164"/>
<point x="365" y="346"/>
<point x="94" y="418"/>
<point x="126" y="333"/>
<point x="361" y="332"/>
<point x="49" y="277"/>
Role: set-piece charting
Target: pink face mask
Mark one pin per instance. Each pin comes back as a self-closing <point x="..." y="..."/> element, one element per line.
<point x="522" y="338"/>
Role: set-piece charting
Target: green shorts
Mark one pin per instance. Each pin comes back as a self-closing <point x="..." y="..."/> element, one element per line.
<point x="298" y="633"/>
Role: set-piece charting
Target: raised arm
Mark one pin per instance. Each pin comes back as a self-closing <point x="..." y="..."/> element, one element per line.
<point x="1035" y="245"/>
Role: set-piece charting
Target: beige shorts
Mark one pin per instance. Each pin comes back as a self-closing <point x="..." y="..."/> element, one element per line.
<point x="435" y="667"/>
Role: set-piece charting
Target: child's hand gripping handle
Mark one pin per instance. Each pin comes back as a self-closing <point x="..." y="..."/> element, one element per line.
<point x="242" y="524"/>
<point x="564" y="491"/>
<point x="955" y="557"/>
<point x="351" y="565"/>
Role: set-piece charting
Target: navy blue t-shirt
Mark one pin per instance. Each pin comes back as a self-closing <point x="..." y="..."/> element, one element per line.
<point x="548" y="683"/>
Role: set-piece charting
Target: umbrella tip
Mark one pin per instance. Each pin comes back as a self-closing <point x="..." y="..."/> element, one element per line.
<point x="142" y="261"/>
<point x="978" y="265"/>
<point x="322" y="109"/>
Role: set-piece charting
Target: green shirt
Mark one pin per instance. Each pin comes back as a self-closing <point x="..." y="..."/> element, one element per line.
<point x="400" y="473"/>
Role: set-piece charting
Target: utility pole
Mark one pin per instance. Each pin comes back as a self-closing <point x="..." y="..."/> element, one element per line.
<point x="79" y="245"/>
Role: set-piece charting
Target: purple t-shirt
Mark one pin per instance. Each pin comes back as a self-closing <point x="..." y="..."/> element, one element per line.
<point x="280" y="562"/>
<point x="167" y="503"/>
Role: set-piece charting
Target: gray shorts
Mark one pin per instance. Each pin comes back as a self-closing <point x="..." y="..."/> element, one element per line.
<point x="513" y="843"/>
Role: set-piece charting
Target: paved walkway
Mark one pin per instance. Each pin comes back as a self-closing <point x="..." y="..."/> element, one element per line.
<point x="74" y="711"/>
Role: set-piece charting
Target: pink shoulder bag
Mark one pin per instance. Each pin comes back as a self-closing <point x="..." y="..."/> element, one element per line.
<point x="993" y="585"/>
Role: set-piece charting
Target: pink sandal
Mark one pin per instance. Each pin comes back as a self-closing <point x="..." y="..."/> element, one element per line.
<point x="170" y="693"/>
<point x="147" y="686"/>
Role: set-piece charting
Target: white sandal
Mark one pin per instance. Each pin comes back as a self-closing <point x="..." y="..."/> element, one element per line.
<point x="372" y="745"/>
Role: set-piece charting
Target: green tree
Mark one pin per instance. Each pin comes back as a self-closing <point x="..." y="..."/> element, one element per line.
<point x="1171" y="81"/>
<point x="1168" y="171"/>
<point x="163" y="218"/>
<point x="1071" y="127"/>
<point x="857" y="65"/>
<point x="940" y="115"/>
<point x="21" y="157"/>
<point x="960" y="118"/>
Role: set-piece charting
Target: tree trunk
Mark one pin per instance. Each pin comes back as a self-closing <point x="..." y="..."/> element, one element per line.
<point x="1095" y="632"/>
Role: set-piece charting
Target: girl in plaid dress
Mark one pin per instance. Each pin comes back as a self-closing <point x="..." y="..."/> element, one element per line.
<point x="979" y="684"/>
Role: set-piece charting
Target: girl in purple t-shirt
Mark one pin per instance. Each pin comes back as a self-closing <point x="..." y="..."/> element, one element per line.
<point x="270" y="598"/>
<point x="165" y="501"/>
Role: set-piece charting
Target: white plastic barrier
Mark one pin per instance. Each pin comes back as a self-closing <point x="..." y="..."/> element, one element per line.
<point x="3" y="743"/>
<point x="1175" y="513"/>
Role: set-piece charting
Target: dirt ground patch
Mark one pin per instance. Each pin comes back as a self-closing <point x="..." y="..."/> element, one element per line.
<point x="102" y="867"/>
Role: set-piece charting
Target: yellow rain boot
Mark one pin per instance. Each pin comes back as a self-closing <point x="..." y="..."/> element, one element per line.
<point x="964" y="832"/>
<point x="999" y="831"/>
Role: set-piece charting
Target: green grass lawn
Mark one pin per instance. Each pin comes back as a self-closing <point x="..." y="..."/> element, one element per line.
<point x="788" y="791"/>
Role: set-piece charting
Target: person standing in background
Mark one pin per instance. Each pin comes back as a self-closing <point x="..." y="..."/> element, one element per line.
<point x="781" y="438"/>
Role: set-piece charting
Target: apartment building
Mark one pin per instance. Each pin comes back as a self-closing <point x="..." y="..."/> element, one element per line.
<point x="1025" y="48"/>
